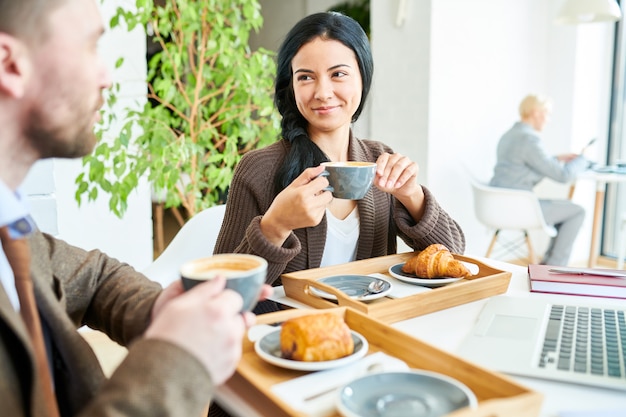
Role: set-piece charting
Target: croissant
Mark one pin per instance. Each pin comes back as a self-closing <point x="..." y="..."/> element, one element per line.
<point x="316" y="337"/>
<point x="436" y="261"/>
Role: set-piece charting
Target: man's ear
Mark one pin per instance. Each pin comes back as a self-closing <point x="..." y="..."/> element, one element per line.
<point x="14" y="66"/>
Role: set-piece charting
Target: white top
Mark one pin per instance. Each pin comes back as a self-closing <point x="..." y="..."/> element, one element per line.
<point x="342" y="237"/>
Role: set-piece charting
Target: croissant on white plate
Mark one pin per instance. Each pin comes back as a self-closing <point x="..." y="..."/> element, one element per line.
<point x="436" y="261"/>
<point x="316" y="337"/>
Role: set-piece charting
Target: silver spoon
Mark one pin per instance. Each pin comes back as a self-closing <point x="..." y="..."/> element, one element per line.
<point x="376" y="286"/>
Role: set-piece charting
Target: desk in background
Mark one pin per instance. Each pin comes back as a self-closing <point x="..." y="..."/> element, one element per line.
<point x="601" y="179"/>
<point x="446" y="329"/>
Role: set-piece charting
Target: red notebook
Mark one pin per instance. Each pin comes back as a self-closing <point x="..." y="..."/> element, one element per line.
<point x="542" y="280"/>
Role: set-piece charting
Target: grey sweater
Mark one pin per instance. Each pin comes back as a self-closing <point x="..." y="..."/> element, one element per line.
<point x="382" y="217"/>
<point x="522" y="161"/>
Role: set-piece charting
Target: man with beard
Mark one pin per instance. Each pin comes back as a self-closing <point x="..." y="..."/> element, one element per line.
<point x="181" y="345"/>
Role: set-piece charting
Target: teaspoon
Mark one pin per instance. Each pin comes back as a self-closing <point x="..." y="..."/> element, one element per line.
<point x="376" y="286"/>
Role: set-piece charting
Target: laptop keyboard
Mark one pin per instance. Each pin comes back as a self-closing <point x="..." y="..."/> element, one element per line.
<point x="585" y="340"/>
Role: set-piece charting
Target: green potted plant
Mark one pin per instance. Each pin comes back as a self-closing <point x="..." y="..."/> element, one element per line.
<point x="209" y="101"/>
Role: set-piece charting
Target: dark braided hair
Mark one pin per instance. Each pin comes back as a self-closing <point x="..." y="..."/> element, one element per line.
<point x="304" y="153"/>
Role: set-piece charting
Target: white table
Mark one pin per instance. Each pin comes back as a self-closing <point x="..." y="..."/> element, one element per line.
<point x="447" y="328"/>
<point x="601" y="180"/>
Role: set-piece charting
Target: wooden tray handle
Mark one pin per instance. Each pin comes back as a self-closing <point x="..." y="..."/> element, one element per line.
<point x="342" y="299"/>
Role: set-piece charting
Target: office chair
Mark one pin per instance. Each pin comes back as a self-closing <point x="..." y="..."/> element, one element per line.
<point x="195" y="239"/>
<point x="509" y="209"/>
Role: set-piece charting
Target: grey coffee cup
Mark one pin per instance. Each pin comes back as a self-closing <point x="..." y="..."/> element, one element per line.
<point x="244" y="274"/>
<point x="349" y="180"/>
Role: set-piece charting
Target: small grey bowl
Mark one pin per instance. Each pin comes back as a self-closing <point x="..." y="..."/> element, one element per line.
<point x="413" y="393"/>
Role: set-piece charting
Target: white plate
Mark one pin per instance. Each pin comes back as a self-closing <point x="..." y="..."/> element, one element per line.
<point x="268" y="348"/>
<point x="396" y="271"/>
<point x="354" y="286"/>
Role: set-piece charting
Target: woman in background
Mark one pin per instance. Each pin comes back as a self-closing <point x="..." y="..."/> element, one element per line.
<point x="277" y="207"/>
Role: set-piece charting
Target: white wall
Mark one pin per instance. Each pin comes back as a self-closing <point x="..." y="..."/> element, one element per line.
<point x="401" y="90"/>
<point x="449" y="80"/>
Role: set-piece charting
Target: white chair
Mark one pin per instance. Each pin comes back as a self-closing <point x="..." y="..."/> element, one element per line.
<point x="509" y="209"/>
<point x="195" y="239"/>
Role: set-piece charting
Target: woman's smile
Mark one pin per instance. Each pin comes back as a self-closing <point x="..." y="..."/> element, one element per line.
<point x="325" y="109"/>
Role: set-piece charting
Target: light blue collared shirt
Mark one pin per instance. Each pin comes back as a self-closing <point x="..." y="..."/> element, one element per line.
<point x="15" y="213"/>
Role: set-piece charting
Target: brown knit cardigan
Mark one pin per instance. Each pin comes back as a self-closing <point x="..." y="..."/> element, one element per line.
<point x="382" y="217"/>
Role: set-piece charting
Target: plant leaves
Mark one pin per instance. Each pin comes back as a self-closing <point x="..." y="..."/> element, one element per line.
<point x="210" y="100"/>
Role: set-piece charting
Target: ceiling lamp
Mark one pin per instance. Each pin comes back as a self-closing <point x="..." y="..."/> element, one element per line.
<point x="574" y="12"/>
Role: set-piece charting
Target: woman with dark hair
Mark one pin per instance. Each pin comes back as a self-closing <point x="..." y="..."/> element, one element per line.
<point x="277" y="207"/>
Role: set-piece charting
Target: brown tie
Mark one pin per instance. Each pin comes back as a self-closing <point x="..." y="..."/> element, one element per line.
<point x="18" y="254"/>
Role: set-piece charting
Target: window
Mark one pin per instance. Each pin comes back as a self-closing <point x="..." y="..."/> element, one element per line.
<point x="615" y="200"/>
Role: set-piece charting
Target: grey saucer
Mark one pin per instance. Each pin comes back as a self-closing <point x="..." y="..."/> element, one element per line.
<point x="354" y="286"/>
<point x="412" y="393"/>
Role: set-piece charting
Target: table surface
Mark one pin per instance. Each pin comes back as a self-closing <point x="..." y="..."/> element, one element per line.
<point x="601" y="176"/>
<point x="601" y="179"/>
<point x="446" y="329"/>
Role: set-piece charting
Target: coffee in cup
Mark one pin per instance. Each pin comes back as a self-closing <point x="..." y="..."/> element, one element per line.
<point x="350" y="180"/>
<point x="244" y="274"/>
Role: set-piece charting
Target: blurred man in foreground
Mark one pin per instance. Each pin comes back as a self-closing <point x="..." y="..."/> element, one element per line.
<point x="181" y="345"/>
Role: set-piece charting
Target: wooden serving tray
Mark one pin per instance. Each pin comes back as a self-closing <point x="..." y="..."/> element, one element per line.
<point x="498" y="395"/>
<point x="489" y="281"/>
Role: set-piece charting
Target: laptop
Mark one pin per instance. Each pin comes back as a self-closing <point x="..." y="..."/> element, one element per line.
<point x="575" y="343"/>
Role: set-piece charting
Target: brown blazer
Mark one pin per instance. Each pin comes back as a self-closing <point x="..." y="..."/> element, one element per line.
<point x="74" y="287"/>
